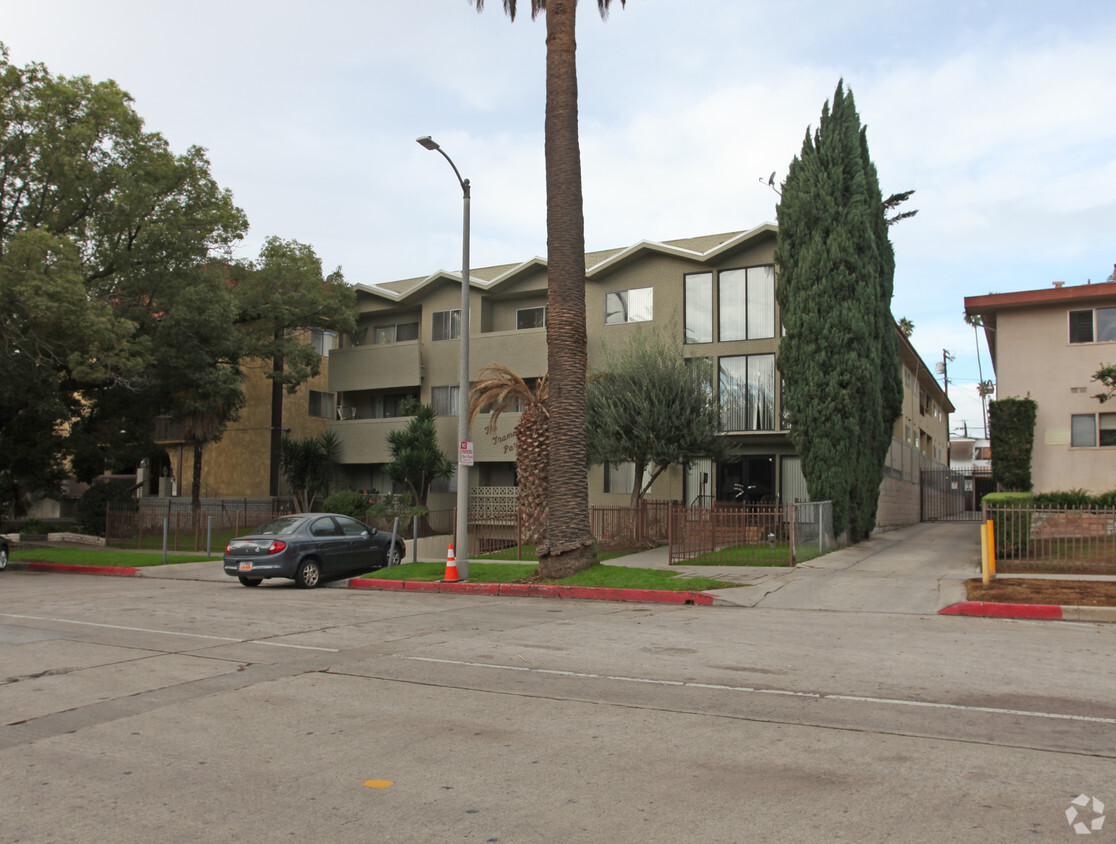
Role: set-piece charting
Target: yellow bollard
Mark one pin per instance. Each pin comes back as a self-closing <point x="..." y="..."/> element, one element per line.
<point x="984" y="573"/>
<point x="992" y="548"/>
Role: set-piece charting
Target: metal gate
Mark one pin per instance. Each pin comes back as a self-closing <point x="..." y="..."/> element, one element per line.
<point x="950" y="495"/>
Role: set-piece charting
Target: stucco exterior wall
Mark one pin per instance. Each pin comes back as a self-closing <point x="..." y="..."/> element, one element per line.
<point x="1034" y="357"/>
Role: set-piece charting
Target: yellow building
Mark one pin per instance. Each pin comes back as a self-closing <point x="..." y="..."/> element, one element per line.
<point x="244" y="463"/>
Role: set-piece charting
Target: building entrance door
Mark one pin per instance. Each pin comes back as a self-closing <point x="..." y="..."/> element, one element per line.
<point x="750" y="480"/>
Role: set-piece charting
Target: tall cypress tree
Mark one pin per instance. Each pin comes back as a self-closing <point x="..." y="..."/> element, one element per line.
<point x="840" y="357"/>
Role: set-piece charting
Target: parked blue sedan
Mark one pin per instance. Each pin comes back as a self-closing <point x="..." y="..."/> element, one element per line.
<point x="310" y="548"/>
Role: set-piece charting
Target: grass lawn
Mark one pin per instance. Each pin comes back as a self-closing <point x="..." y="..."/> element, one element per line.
<point x="753" y="554"/>
<point x="619" y="577"/>
<point x="99" y="557"/>
<point x="527" y="553"/>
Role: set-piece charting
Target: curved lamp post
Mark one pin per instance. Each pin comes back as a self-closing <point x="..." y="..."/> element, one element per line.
<point x="461" y="547"/>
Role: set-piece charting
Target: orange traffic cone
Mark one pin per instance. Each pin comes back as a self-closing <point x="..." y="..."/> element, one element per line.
<point x="451" y="567"/>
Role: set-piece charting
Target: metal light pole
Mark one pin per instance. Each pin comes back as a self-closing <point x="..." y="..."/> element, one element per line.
<point x="461" y="548"/>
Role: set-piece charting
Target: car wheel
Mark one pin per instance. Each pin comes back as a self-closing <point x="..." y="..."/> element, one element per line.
<point x="395" y="556"/>
<point x="3" y="558"/>
<point x="249" y="581"/>
<point x="308" y="574"/>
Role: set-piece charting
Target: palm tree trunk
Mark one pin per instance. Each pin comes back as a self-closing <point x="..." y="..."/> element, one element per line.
<point x="569" y="545"/>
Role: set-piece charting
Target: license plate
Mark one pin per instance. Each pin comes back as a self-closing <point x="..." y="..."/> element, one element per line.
<point x="244" y="565"/>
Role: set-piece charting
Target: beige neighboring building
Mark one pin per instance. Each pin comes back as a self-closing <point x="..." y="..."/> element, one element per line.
<point x="714" y="294"/>
<point x="1048" y="344"/>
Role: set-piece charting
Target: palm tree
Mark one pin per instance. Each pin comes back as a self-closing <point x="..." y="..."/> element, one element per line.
<point x="569" y="546"/>
<point x="977" y="321"/>
<point x="500" y="389"/>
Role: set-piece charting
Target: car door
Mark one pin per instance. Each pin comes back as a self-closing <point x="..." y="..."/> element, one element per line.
<point x="332" y="546"/>
<point x="366" y="549"/>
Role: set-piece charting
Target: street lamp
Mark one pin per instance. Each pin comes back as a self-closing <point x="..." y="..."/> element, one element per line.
<point x="462" y="545"/>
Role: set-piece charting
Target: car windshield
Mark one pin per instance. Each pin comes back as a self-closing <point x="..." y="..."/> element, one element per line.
<point x="279" y="527"/>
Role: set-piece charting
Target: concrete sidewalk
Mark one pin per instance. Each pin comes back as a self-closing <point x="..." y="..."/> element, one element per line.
<point x="917" y="569"/>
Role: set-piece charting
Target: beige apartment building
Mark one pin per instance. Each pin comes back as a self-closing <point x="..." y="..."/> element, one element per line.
<point x="1047" y="344"/>
<point x="714" y="294"/>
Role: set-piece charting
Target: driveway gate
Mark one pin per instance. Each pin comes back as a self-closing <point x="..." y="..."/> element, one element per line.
<point x="949" y="495"/>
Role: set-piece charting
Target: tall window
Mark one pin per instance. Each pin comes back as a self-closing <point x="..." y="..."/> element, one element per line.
<point x="634" y="305"/>
<point x="1092" y="326"/>
<point x="699" y="308"/>
<point x="747" y="304"/>
<point x="446" y="325"/>
<point x="444" y="400"/>
<point x="323" y="341"/>
<point x="747" y="393"/>
<point x="530" y="317"/>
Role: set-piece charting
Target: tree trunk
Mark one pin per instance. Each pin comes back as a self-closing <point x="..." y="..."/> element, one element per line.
<point x="276" y="449"/>
<point x="531" y="437"/>
<point x="195" y="486"/>
<point x="569" y="545"/>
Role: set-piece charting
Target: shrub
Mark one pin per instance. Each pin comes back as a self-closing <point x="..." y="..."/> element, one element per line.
<point x="91" y="508"/>
<point x="1073" y="498"/>
<point x="348" y="502"/>
<point x="33" y="526"/>
<point x="1012" y="528"/>
<point x="1011" y="423"/>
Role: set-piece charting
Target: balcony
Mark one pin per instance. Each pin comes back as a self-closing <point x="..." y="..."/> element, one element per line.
<point x="365" y="440"/>
<point x="523" y="352"/>
<point x="375" y="367"/>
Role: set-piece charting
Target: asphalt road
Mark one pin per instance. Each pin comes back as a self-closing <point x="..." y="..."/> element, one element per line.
<point x="146" y="709"/>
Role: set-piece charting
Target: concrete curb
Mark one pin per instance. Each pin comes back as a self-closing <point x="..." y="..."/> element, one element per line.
<point x="1052" y="612"/>
<point x="65" y="568"/>
<point x="521" y="590"/>
<point x="535" y="590"/>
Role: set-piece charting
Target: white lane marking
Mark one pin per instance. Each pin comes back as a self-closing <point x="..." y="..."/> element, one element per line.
<point x="995" y="710"/>
<point x="168" y="632"/>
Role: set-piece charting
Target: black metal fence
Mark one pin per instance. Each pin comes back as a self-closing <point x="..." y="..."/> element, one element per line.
<point x="751" y="534"/>
<point x="141" y="525"/>
<point x="1053" y="540"/>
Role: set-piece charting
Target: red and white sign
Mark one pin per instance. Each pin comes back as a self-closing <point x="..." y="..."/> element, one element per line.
<point x="465" y="456"/>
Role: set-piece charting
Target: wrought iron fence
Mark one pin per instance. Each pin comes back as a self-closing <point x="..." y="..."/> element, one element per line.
<point x="140" y="525"/>
<point x="751" y="534"/>
<point x="1053" y="540"/>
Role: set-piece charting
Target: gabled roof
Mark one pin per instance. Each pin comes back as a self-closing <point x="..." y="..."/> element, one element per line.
<point x="704" y="249"/>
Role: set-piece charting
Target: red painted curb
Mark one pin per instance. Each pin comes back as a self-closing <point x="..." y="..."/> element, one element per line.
<point x="536" y="590"/>
<point x="115" y="571"/>
<point x="987" y="609"/>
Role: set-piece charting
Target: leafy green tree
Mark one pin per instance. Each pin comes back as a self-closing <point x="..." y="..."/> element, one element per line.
<point x="307" y="464"/>
<point x="653" y="407"/>
<point x="416" y="459"/>
<point x="99" y="224"/>
<point x="280" y="297"/>
<point x="569" y="545"/>
<point x="839" y="358"/>
<point x="1106" y="377"/>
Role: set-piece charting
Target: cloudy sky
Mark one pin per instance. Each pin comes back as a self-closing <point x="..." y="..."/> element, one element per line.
<point x="999" y="113"/>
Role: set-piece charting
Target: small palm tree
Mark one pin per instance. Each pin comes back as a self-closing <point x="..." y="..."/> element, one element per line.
<point x="498" y="390"/>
